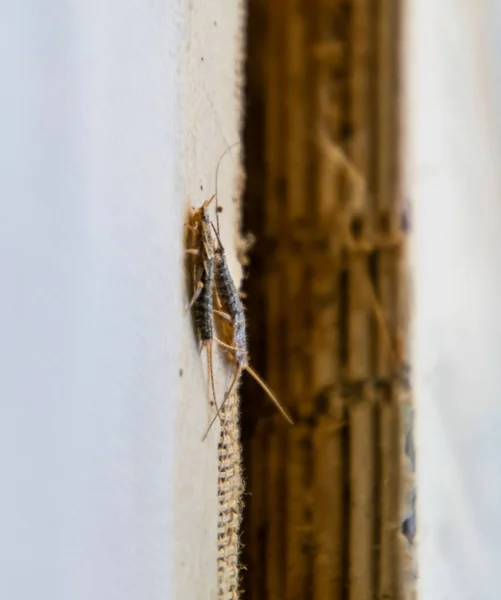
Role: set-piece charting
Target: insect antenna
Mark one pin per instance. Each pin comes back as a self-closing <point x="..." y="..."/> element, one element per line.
<point x="217" y="171"/>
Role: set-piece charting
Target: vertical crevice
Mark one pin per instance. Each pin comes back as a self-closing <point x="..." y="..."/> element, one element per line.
<point x="323" y="259"/>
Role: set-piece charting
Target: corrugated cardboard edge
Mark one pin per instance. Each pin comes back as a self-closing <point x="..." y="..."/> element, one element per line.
<point x="230" y="487"/>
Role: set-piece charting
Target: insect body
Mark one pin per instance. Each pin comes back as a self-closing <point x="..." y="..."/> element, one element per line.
<point x="202" y="248"/>
<point x="230" y="300"/>
<point x="202" y="305"/>
<point x="214" y="281"/>
<point x="234" y="312"/>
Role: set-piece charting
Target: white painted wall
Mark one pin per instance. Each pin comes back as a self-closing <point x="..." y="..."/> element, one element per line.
<point x="90" y="310"/>
<point x="453" y="121"/>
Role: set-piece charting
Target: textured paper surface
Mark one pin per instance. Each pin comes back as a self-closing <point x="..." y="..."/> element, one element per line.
<point x="101" y="150"/>
<point x="211" y="121"/>
<point x="90" y="310"/>
<point x="453" y="133"/>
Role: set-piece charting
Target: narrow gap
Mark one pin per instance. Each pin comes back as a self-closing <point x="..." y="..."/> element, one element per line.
<point x="344" y="302"/>
<point x="377" y="466"/>
<point x="255" y="285"/>
<point x="253" y="575"/>
<point x="283" y="518"/>
<point x="308" y="549"/>
<point x="308" y="326"/>
<point x="345" y="531"/>
<point x="259" y="571"/>
<point x="373" y="268"/>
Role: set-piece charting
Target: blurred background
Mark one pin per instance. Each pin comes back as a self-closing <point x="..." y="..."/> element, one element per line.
<point x="369" y="238"/>
<point x="330" y="511"/>
<point x="372" y="140"/>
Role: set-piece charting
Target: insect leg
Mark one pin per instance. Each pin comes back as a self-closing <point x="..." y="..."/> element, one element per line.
<point x="198" y="288"/>
<point x="198" y="291"/>
<point x="223" y="315"/>
<point x="219" y="303"/>
<point x="221" y="343"/>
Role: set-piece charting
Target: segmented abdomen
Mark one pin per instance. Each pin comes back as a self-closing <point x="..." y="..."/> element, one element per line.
<point x="228" y="294"/>
<point x="202" y="309"/>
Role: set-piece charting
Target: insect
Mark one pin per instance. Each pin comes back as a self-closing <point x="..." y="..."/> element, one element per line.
<point x="214" y="281"/>
<point x="202" y="247"/>
<point x="233" y="313"/>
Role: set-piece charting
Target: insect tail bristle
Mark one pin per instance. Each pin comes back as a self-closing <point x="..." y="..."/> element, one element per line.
<point x="210" y="373"/>
<point x="210" y="426"/>
<point x="269" y="393"/>
<point x="238" y="372"/>
<point x="226" y="396"/>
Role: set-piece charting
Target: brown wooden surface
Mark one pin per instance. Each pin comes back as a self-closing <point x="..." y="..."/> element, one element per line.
<point x="323" y="518"/>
